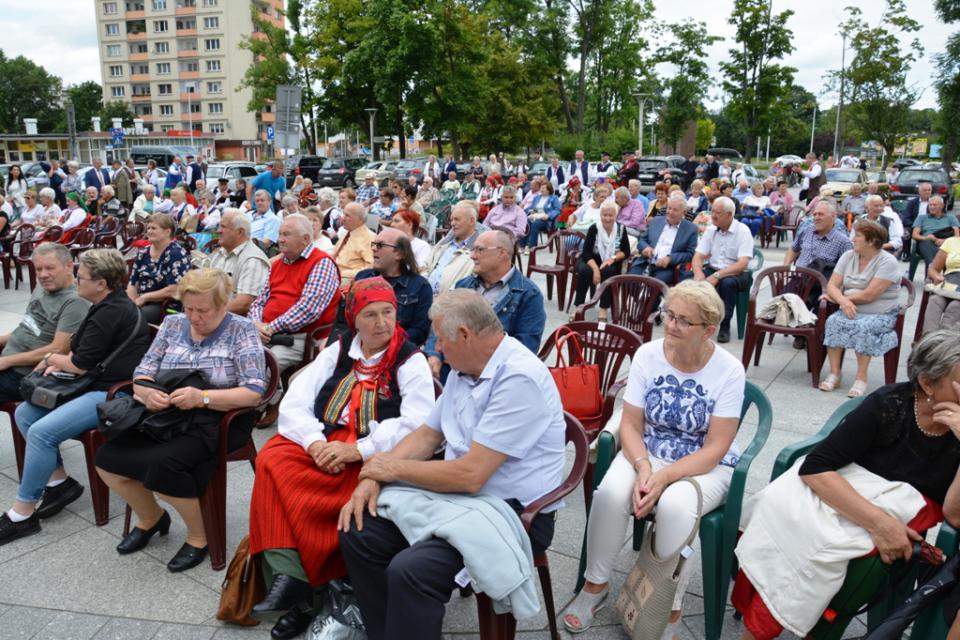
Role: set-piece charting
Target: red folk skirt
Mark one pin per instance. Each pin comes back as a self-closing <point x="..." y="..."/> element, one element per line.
<point x="295" y="505"/>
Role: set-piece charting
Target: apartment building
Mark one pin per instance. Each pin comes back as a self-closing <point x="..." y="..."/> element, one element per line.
<point x="178" y="63"/>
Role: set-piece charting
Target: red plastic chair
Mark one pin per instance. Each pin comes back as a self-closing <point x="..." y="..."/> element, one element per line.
<point x="213" y="502"/>
<point x="495" y="626"/>
<point x="793" y="279"/>
<point x="790" y="223"/>
<point x="563" y="263"/>
<point x="108" y="232"/>
<point x="84" y="239"/>
<point x="11" y="246"/>
<point x="632" y="303"/>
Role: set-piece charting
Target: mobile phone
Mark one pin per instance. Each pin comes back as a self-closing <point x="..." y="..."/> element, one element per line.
<point x="64" y="375"/>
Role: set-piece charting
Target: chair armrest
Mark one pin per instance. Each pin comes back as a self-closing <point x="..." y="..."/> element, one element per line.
<point x="225" y="423"/>
<point x="117" y="388"/>
<point x="947" y="539"/>
<point x="609" y="400"/>
<point x="790" y="454"/>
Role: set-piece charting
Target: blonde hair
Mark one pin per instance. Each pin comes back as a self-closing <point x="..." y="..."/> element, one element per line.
<point x="697" y="184"/>
<point x="163" y="221"/>
<point x="207" y="281"/>
<point x="674" y="187"/>
<point x="103" y="264"/>
<point x="700" y="294"/>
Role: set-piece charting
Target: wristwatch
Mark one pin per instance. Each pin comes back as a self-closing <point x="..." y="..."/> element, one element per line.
<point x="206" y="398"/>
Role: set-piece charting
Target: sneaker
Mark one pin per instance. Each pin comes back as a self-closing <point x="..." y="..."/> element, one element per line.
<point x="10" y="530"/>
<point x="724" y="334"/>
<point x="799" y="342"/>
<point x="54" y="499"/>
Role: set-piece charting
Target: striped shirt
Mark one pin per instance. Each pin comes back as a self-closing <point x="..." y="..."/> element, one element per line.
<point x="318" y="291"/>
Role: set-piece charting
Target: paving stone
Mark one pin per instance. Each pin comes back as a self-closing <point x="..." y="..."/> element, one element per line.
<point x="67" y="625"/>
<point x="127" y="629"/>
<point x="184" y="632"/>
<point x="21" y="623"/>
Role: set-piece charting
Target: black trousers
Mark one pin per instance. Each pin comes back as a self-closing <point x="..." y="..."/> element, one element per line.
<point x="403" y="589"/>
<point x="585" y="281"/>
<point x="927" y="250"/>
<point x="728" y="288"/>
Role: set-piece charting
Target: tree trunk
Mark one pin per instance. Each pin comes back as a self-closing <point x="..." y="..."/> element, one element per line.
<point x="440" y="148"/>
<point x="564" y="101"/>
<point x="748" y="153"/>
<point x="581" y="85"/>
<point x="400" y="132"/>
<point x="949" y="150"/>
<point x="455" y="147"/>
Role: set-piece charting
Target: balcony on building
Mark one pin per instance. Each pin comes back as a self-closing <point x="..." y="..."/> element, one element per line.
<point x="186" y="7"/>
<point x="136" y="30"/>
<point x="187" y="48"/>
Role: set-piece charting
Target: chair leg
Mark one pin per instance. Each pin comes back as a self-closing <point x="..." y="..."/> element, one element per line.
<point x="19" y="444"/>
<point x="5" y="264"/>
<point x="99" y="491"/>
<point x="493" y="626"/>
<point x="741" y="312"/>
<point x="549" y="286"/>
<point x="759" y="349"/>
<point x="543" y="568"/>
<point x="714" y="580"/>
<point x="816" y="359"/>
<point x="213" y="504"/>
<point x="745" y="357"/>
<point x="587" y="488"/>
<point x="890" y="361"/>
<point x="562" y="290"/>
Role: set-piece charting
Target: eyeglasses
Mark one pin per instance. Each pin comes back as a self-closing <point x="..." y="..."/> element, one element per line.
<point x="376" y="244"/>
<point x="682" y="323"/>
<point x="480" y="250"/>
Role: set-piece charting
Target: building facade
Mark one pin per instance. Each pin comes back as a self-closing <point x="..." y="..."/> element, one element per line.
<point x="178" y="64"/>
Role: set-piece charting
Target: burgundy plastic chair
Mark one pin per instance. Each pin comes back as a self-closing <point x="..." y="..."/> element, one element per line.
<point x="84" y="239"/>
<point x="107" y="232"/>
<point x="19" y="445"/>
<point x="13" y="245"/>
<point x="790" y="223"/>
<point x="791" y="279"/>
<point x="213" y="501"/>
<point x="495" y="626"/>
<point x="632" y="303"/>
<point x="563" y="263"/>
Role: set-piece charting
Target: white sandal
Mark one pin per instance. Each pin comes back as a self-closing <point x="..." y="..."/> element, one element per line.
<point x="673" y="630"/>
<point x="579" y="615"/>
<point x="858" y="388"/>
<point x="831" y="383"/>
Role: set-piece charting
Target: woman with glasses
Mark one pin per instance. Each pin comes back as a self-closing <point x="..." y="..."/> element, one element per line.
<point x="680" y="415"/>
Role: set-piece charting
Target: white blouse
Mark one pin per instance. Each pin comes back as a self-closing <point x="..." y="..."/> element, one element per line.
<point x="297" y="420"/>
<point x="421" y="251"/>
<point x="33" y="216"/>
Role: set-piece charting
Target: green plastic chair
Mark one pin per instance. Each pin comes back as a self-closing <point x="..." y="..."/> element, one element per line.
<point x="743" y="296"/>
<point x="865" y="576"/>
<point x="718" y="529"/>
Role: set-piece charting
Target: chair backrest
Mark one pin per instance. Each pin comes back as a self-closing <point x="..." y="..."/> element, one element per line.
<point x="52" y="234"/>
<point x="109" y="226"/>
<point x="606" y="345"/>
<point x="789" y="279"/>
<point x="273" y="379"/>
<point x="632" y="301"/>
<point x="211" y="245"/>
<point x="756" y="263"/>
<point x="793" y="216"/>
<point x="574" y="435"/>
<point x="83" y="238"/>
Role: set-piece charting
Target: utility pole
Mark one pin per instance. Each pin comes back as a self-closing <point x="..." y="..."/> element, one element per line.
<point x="813" y="126"/>
<point x="641" y="100"/>
<point x="373" y="113"/>
<point x="843" y="73"/>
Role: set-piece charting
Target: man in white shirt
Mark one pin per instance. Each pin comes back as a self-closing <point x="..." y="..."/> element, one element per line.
<point x="432" y="168"/>
<point x="877" y="211"/>
<point x="813" y="178"/>
<point x="722" y="258"/>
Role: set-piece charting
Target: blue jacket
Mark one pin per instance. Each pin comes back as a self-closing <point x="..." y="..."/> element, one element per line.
<point x="703" y="205"/>
<point x="552" y="208"/>
<point x="521" y="311"/>
<point x="90" y="178"/>
<point x="414" y="297"/>
<point x="683" y="246"/>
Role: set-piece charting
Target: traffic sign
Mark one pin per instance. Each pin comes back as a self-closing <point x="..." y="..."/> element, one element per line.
<point x="270" y="133"/>
<point x="117" y="136"/>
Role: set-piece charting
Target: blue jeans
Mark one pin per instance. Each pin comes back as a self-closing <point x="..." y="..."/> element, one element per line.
<point x="44" y="430"/>
<point x="536" y="226"/>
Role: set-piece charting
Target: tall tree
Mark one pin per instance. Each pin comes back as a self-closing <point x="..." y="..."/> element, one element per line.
<point x="27" y="91"/>
<point x="947" y="83"/>
<point x="880" y="98"/>
<point x="753" y="78"/>
<point x="547" y="39"/>
<point x="116" y="109"/>
<point x="87" y="98"/>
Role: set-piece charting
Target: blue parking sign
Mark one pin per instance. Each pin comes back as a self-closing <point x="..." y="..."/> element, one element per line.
<point x="269" y="133"/>
<point x="117" y="136"/>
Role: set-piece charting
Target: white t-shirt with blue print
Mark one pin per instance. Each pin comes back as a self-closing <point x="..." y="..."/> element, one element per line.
<point x="678" y="406"/>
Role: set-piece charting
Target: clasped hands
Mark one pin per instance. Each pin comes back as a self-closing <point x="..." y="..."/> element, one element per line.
<point x="333" y="456"/>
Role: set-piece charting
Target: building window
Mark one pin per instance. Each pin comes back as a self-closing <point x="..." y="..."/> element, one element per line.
<point x="186" y="23"/>
<point x="110" y="8"/>
<point x="134" y="6"/>
<point x="212" y="44"/>
<point x="163" y="68"/>
<point x="209" y="3"/>
<point x="186" y="3"/>
<point x="139" y="47"/>
<point x="113" y="50"/>
<point x="214" y="87"/>
<point x="216" y="127"/>
<point x="160" y="26"/>
<point x="192" y="66"/>
<point x="113" y="29"/>
<point x="161" y="47"/>
<point x="213" y="65"/>
<point x="165" y="89"/>
<point x="211" y="23"/>
<point x="195" y="107"/>
<point x="116" y="71"/>
<point x="117" y="92"/>
<point x="166" y="109"/>
<point x="159" y="5"/>
<point x="215" y="107"/>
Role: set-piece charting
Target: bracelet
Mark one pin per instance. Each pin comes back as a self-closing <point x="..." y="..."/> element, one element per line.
<point x="639" y="459"/>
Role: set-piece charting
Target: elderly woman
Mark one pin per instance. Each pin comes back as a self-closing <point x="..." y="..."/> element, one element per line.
<point x="360" y="397"/>
<point x="606" y="247"/>
<point x="408" y="222"/>
<point x="589" y="212"/>
<point x="385" y="206"/>
<point x="541" y="214"/>
<point x="755" y="208"/>
<point x="943" y="312"/>
<point x="289" y="205"/>
<point x="680" y="415"/>
<point x="476" y="169"/>
<point x="307" y="196"/>
<point x="226" y="349"/>
<point x="533" y="190"/>
<point x="320" y="239"/>
<point x="32" y="211"/>
<point x="451" y="185"/>
<point x="208" y="220"/>
<point x="428" y="193"/>
<point x="658" y="206"/>
<point x="725" y="171"/>
<point x="697" y="201"/>
<point x="490" y="194"/>
<point x="181" y="209"/>
<point x="865" y="285"/>
<point x="143" y="206"/>
<point x="873" y="483"/>
<point x="73" y="181"/>
<point x="407" y="199"/>
<point x="50" y="210"/>
<point x="111" y="318"/>
<point x="573" y="196"/>
<point x="158" y="268"/>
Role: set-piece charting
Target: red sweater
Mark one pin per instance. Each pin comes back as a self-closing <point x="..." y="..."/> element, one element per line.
<point x="287" y="282"/>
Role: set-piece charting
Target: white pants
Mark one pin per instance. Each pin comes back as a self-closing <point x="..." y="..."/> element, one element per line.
<point x="676" y="515"/>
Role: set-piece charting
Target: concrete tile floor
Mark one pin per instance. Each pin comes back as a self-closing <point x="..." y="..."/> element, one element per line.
<point x="68" y="582"/>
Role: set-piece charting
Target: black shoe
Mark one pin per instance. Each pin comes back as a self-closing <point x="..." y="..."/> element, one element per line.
<point x="285" y="593"/>
<point x="799" y="342"/>
<point x="10" y="530"/>
<point x="54" y="499"/>
<point x="291" y="624"/>
<point x="138" y="538"/>
<point x="723" y="335"/>
<point x="188" y="557"/>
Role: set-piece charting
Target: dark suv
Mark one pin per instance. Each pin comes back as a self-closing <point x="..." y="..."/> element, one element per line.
<point x="410" y="167"/>
<point x="906" y="183"/>
<point x="652" y="170"/>
<point x="339" y="172"/>
<point x="306" y="166"/>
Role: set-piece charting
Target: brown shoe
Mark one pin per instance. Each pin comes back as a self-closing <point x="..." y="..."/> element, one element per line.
<point x="270" y="417"/>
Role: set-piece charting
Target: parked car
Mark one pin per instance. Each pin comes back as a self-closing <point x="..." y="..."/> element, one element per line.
<point x="339" y="172"/>
<point x="903" y="163"/>
<point x="652" y="170"/>
<point x="840" y="180"/>
<point x="750" y="174"/>
<point x="231" y="171"/>
<point x="306" y="166"/>
<point x="538" y="169"/>
<point x="905" y="184"/>
<point x="880" y="177"/>
<point x="789" y="159"/>
<point x="407" y="168"/>
<point x="382" y="171"/>
<point x="36" y="174"/>
<point x="724" y="153"/>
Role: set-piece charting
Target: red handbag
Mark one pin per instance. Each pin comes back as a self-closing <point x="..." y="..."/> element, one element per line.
<point x="578" y="382"/>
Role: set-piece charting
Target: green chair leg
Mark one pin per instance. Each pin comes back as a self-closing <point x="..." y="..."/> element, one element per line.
<point x="914" y="263"/>
<point x="606" y="451"/>
<point x="716" y="581"/>
<point x="743" y="300"/>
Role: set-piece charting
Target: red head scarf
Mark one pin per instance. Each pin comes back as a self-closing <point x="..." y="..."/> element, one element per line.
<point x="362" y="293"/>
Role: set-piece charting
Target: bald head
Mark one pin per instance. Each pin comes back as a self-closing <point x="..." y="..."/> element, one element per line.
<point x="354" y="216"/>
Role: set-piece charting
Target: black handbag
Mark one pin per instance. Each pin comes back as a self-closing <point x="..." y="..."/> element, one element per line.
<point x="49" y="392"/>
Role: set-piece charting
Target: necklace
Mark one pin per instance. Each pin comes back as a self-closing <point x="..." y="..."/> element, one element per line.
<point x="916" y="415"/>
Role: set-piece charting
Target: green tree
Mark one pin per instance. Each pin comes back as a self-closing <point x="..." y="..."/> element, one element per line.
<point x="27" y="91"/>
<point x="546" y="38"/>
<point x="754" y="80"/>
<point x="880" y="98"/>
<point x="706" y="129"/>
<point x="87" y="98"/>
<point x="947" y="83"/>
<point x="116" y="109"/>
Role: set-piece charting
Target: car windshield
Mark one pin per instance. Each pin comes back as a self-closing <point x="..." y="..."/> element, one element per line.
<point x="651" y="165"/>
<point x="838" y="175"/>
<point x="215" y="172"/>
<point x="373" y="165"/>
<point x="540" y="166"/>
<point x="407" y="164"/>
<point x="916" y="176"/>
<point x="332" y="164"/>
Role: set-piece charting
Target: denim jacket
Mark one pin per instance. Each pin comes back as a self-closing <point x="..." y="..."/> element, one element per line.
<point x="551" y="208"/>
<point x="414" y="297"/>
<point x="521" y="312"/>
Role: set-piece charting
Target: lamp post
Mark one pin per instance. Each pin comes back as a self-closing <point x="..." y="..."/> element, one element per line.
<point x="813" y="126"/>
<point x="837" y="144"/>
<point x="190" y="110"/>
<point x="641" y="100"/>
<point x="373" y="112"/>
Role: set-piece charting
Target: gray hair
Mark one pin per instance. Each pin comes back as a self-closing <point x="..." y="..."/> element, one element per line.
<point x="47" y="192"/>
<point x="607" y="205"/>
<point x="74" y="164"/>
<point x="59" y="251"/>
<point x="934" y="357"/>
<point x="507" y="190"/>
<point x="829" y="204"/>
<point x="108" y="190"/>
<point x="726" y="204"/>
<point x="262" y="192"/>
<point x="938" y="198"/>
<point x="632" y="182"/>
<point x="505" y="240"/>
<point x="288" y="200"/>
<point x="150" y="188"/>
<point x="327" y="195"/>
<point x="468" y="207"/>
<point x="106" y="264"/>
<point x="464" y="308"/>
<point x="872" y="198"/>
<point x="304" y="225"/>
<point x="238" y="219"/>
<point x="622" y="191"/>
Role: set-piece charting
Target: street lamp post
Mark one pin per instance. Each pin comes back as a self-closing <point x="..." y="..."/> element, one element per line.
<point x="373" y="112"/>
<point x="190" y="110"/>
<point x="641" y="100"/>
<point x="837" y="144"/>
<point x="813" y="126"/>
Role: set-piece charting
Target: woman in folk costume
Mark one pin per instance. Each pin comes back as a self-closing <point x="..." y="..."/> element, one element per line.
<point x="361" y="396"/>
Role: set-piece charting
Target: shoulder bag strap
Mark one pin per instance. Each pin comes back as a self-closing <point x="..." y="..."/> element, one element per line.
<point x="126" y="343"/>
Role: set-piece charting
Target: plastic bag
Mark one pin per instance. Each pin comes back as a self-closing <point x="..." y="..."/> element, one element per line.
<point x="339" y="618"/>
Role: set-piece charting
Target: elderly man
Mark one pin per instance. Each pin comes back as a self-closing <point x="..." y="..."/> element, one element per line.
<point x="54" y="313"/>
<point x="109" y="204"/>
<point x="915" y="208"/>
<point x="581" y="168"/>
<point x="516" y="300"/>
<point x="271" y="181"/>
<point x="450" y="261"/>
<point x="722" y="258"/>
<point x="120" y="180"/>
<point x="670" y="241"/>
<point x="369" y="192"/>
<point x="498" y="443"/>
<point x="353" y="252"/>
<point x="876" y="211"/>
<point x="428" y="193"/>
<point x="633" y="213"/>
<point x="242" y="259"/>
<point x="96" y="176"/>
<point x="931" y="229"/>
<point x="854" y="204"/>
<point x="264" y="223"/>
<point x="742" y="191"/>
<point x="508" y="214"/>
<point x="470" y="188"/>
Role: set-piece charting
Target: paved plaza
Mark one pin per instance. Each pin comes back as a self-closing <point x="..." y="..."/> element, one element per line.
<point x="69" y="582"/>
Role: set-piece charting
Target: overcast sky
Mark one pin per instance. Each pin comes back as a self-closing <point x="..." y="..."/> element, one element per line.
<point x="61" y="36"/>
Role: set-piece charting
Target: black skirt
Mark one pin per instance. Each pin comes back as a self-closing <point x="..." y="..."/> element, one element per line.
<point x="180" y="468"/>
